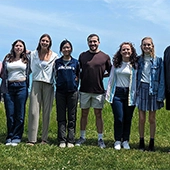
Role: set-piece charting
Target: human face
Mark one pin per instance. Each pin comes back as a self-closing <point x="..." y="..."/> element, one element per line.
<point x="126" y="52"/>
<point x="18" y="48"/>
<point x="45" y="42"/>
<point x="93" y="44"/>
<point x="147" y="46"/>
<point x="66" y="50"/>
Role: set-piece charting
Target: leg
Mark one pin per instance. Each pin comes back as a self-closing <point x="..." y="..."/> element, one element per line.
<point x="48" y="97"/>
<point x="83" y="119"/>
<point x="61" y="116"/>
<point x="152" y="122"/>
<point x="72" y="110"/>
<point x="20" y="102"/>
<point x="85" y="103"/>
<point x="9" y="108"/>
<point x="128" y="114"/>
<point x="34" y="109"/>
<point x="117" y="108"/>
<point x="142" y="120"/>
<point x="97" y="103"/>
<point x="99" y="120"/>
<point x="83" y="123"/>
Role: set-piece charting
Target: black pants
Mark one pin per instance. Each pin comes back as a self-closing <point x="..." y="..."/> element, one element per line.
<point x="167" y="95"/>
<point x="66" y="116"/>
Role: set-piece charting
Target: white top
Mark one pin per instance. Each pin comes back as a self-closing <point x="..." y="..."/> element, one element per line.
<point x="16" y="70"/>
<point x="123" y="74"/>
<point x="42" y="70"/>
<point x="146" y="69"/>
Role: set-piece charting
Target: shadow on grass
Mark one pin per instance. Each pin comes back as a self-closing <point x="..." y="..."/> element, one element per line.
<point x="51" y="141"/>
<point x="157" y="148"/>
<point x="134" y="146"/>
<point x="91" y="142"/>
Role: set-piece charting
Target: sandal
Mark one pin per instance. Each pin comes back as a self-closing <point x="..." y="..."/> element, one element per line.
<point x="30" y="143"/>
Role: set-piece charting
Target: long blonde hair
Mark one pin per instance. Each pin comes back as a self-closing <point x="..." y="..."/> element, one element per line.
<point x="152" y="53"/>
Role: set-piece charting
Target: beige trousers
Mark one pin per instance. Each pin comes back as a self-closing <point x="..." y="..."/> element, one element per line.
<point x="41" y="97"/>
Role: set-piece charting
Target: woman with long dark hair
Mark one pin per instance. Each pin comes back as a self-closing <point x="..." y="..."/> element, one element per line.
<point x="121" y="93"/>
<point x="15" y="82"/>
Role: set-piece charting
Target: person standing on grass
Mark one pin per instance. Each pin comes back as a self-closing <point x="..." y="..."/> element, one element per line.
<point x="121" y="92"/>
<point x="93" y="64"/>
<point x="42" y="90"/>
<point x="14" y="86"/>
<point x="67" y="80"/>
<point x="167" y="76"/>
<point x="150" y="89"/>
<point x="0" y="74"/>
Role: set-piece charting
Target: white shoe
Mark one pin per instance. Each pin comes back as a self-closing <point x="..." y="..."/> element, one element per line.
<point x="125" y="145"/>
<point x="117" y="145"/>
<point x="8" y="143"/>
<point x="62" y="145"/>
<point x="14" y="144"/>
<point x="70" y="145"/>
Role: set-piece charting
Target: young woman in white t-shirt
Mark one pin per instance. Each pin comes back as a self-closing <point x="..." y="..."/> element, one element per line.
<point x="14" y="86"/>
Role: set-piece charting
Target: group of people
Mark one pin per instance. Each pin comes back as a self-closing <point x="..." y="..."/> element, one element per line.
<point x="134" y="81"/>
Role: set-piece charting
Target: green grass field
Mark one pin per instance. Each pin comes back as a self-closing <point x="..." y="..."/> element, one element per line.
<point x="89" y="156"/>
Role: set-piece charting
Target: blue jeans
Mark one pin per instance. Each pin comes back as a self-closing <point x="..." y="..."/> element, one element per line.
<point x="122" y="114"/>
<point x="66" y="116"/>
<point x="15" y="101"/>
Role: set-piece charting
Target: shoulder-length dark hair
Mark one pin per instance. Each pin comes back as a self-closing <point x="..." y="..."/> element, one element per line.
<point x="11" y="56"/>
<point x="117" y="59"/>
<point x="65" y="42"/>
<point x="39" y="46"/>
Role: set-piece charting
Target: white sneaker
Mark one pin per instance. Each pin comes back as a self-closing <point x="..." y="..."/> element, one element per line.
<point x="62" y="145"/>
<point x="70" y="145"/>
<point x="14" y="144"/>
<point x="125" y="145"/>
<point x="8" y="143"/>
<point x="117" y="145"/>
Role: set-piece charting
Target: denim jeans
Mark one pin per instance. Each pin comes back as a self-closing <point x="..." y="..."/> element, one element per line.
<point x="122" y="114"/>
<point x="66" y="116"/>
<point x="15" y="101"/>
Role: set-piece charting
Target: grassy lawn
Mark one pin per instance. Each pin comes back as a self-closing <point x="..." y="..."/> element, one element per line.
<point x="89" y="156"/>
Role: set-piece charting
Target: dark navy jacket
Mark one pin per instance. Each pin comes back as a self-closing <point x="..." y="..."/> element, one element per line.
<point x="167" y="68"/>
<point x="67" y="76"/>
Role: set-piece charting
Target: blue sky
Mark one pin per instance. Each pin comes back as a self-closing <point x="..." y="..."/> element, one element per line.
<point x="115" y="21"/>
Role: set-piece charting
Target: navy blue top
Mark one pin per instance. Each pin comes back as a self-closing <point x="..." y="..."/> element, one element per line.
<point x="67" y="75"/>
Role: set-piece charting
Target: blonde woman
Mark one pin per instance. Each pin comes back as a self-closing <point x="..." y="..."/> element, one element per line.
<point x="150" y="89"/>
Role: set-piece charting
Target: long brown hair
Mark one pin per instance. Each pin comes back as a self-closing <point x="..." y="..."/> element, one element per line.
<point x="11" y="56"/>
<point x="117" y="59"/>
